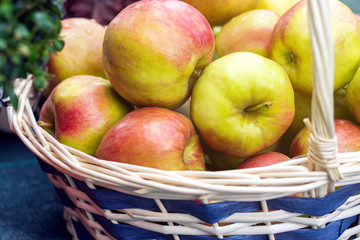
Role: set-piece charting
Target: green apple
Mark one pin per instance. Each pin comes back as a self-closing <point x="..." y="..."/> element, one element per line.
<point x="154" y="137"/>
<point x="82" y="52"/>
<point x="278" y="6"/>
<point x="219" y="12"/>
<point x="155" y="50"/>
<point x="242" y="104"/>
<point x="352" y="95"/>
<point x="80" y="110"/>
<point x="347" y="134"/>
<point x="247" y="32"/>
<point x="291" y="48"/>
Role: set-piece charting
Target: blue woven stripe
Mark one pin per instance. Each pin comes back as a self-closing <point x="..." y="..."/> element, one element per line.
<point x="315" y="206"/>
<point x="214" y="212"/>
<point x="210" y="213"/>
<point x="66" y="201"/>
<point x="48" y="168"/>
<point x="81" y="231"/>
<point x="127" y="232"/>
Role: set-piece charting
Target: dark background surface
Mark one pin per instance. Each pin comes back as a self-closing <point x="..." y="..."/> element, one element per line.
<point x="29" y="207"/>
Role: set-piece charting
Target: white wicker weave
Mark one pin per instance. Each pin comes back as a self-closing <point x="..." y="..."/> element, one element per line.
<point x="314" y="175"/>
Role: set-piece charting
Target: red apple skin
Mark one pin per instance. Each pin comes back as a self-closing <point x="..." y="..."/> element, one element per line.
<point x="154" y="50"/>
<point x="263" y="159"/>
<point x="347" y="133"/>
<point x="154" y="137"/>
<point x="82" y="52"/>
<point x="80" y="110"/>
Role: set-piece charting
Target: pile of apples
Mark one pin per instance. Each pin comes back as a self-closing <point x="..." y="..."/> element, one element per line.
<point x="198" y="84"/>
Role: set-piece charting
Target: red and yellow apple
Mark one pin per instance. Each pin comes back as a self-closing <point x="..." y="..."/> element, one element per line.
<point x="303" y="110"/>
<point x="242" y="104"/>
<point x="153" y="137"/>
<point x="221" y="161"/>
<point x="291" y="48"/>
<point x="263" y="159"/>
<point x="82" y="52"/>
<point x="347" y="134"/>
<point x="154" y="51"/>
<point x="247" y="32"/>
<point x="80" y="110"/>
<point x="219" y="12"/>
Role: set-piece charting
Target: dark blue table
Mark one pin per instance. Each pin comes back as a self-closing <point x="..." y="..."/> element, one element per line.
<point x="29" y="206"/>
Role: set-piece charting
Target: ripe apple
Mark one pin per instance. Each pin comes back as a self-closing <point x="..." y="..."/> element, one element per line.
<point x="153" y="137"/>
<point x="347" y="133"/>
<point x="303" y="110"/>
<point x="220" y="12"/>
<point x="263" y="159"/>
<point x="278" y="6"/>
<point x="222" y="161"/>
<point x="242" y="103"/>
<point x="154" y="51"/>
<point x="82" y="52"/>
<point x="352" y="95"/>
<point x="290" y="45"/>
<point x="249" y="32"/>
<point x="80" y="110"/>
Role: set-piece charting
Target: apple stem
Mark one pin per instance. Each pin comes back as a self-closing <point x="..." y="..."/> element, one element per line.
<point x="257" y="107"/>
<point x="45" y="124"/>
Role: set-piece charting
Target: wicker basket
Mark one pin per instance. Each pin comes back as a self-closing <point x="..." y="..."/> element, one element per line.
<point x="108" y="200"/>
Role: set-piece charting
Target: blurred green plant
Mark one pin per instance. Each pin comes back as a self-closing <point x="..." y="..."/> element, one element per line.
<point x="29" y="32"/>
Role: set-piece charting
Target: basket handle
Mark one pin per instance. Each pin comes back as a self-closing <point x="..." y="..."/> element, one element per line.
<point x="323" y="143"/>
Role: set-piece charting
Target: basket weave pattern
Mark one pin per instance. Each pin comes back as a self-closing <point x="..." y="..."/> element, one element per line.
<point x="108" y="200"/>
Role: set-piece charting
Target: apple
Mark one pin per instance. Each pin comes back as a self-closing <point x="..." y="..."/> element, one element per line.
<point x="80" y="110"/>
<point x="290" y="45"/>
<point x="249" y="32"/>
<point x="242" y="103"/>
<point x="278" y="6"/>
<point x="220" y="12"/>
<point x="352" y="95"/>
<point x="222" y="161"/>
<point x="303" y="110"/>
<point x="154" y="50"/>
<point x="82" y="52"/>
<point x="153" y="137"/>
<point x="263" y="159"/>
<point x="347" y="134"/>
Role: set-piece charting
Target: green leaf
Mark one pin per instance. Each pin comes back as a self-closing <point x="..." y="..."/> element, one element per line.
<point x="40" y="82"/>
<point x="58" y="44"/>
<point x="9" y="92"/>
<point x="21" y="32"/>
<point x="42" y="20"/>
<point x="58" y="8"/>
<point x="6" y="9"/>
<point x="3" y="44"/>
